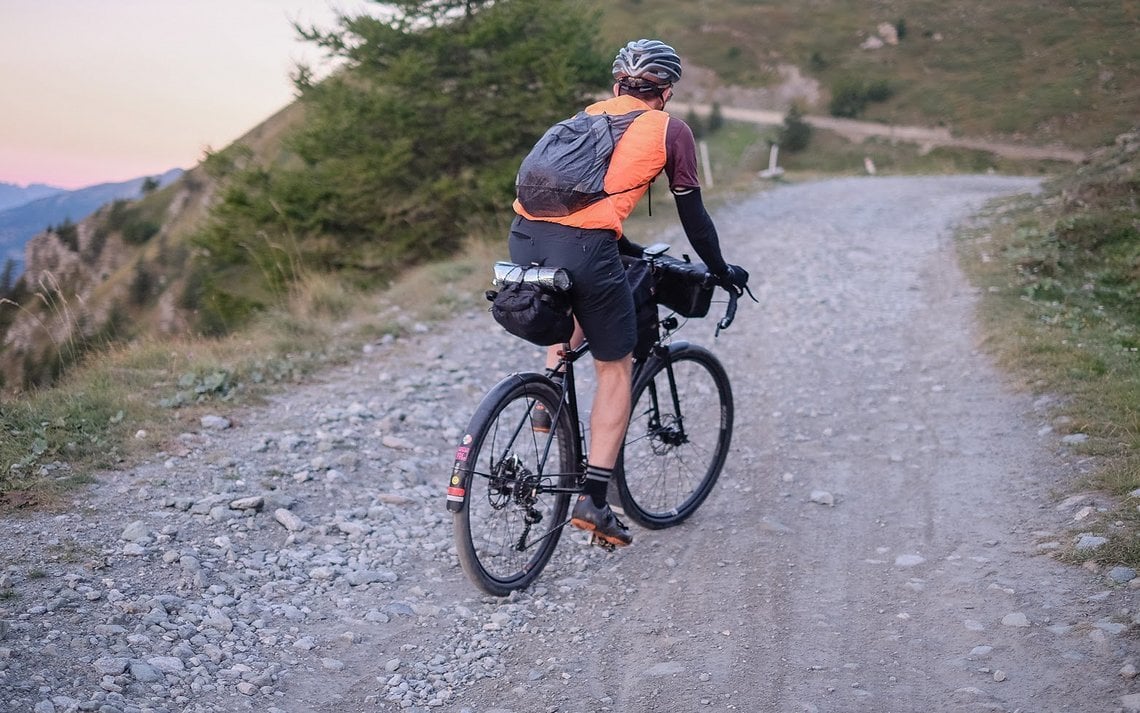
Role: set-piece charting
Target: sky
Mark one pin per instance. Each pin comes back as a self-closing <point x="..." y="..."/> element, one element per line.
<point x="99" y="91"/>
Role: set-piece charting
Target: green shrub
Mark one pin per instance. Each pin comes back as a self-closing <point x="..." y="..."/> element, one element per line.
<point x="716" y="118"/>
<point x="849" y="97"/>
<point x="8" y="277"/>
<point x="138" y="221"/>
<point x="118" y="214"/>
<point x="879" y="90"/>
<point x="139" y="231"/>
<point x="693" y="119"/>
<point x="141" y="284"/>
<point x="795" y="134"/>
<point x="68" y="233"/>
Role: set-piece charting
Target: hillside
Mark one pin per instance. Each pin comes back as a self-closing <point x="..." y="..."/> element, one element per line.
<point x="114" y="275"/>
<point x="1045" y="72"/>
<point x="1030" y="73"/>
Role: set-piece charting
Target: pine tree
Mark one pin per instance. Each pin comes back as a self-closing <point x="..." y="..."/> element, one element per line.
<point x="417" y="140"/>
<point x="716" y="118"/>
<point x="8" y="277"/>
<point x="795" y="134"/>
<point x="409" y="147"/>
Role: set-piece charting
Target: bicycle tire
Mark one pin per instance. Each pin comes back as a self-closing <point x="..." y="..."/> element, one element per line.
<point x="674" y="448"/>
<point x="506" y="529"/>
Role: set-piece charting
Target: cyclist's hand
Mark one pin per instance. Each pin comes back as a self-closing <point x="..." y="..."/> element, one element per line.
<point x="734" y="279"/>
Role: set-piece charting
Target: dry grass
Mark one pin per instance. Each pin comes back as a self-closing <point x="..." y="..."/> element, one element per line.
<point x="1052" y="331"/>
<point x="132" y="399"/>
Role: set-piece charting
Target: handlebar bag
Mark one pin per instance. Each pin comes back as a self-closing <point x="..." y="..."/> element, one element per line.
<point x="683" y="286"/>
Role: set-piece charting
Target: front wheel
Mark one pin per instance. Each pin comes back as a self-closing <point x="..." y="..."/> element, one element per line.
<point x="511" y="484"/>
<point x="679" y="432"/>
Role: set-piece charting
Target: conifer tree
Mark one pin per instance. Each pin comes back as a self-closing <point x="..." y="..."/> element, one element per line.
<point x="8" y="277"/>
<point x="415" y="141"/>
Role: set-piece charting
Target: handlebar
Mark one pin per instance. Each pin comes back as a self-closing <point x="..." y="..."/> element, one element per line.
<point x="729" y="313"/>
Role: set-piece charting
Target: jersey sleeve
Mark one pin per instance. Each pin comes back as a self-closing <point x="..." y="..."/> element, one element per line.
<point x="680" y="156"/>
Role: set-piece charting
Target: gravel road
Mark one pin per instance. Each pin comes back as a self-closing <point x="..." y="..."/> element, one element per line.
<point x="879" y="539"/>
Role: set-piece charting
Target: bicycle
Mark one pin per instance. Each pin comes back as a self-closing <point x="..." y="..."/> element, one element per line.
<point x="511" y="485"/>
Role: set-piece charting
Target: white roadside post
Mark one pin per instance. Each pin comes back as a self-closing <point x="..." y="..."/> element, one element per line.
<point x="773" y="170"/>
<point x="705" y="165"/>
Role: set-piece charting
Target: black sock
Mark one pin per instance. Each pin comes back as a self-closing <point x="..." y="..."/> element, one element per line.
<point x="597" y="480"/>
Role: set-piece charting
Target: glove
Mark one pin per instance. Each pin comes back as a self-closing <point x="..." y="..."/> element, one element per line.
<point x="734" y="279"/>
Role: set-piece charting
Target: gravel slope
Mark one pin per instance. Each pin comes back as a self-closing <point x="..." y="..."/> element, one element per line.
<point x="877" y="542"/>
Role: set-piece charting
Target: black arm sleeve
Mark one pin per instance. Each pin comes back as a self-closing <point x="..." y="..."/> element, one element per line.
<point x="628" y="247"/>
<point x="700" y="230"/>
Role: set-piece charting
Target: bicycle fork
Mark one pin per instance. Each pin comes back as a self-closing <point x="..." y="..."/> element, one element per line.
<point x="669" y="432"/>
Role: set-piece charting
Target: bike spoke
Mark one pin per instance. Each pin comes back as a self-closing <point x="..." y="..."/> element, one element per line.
<point x="514" y="512"/>
<point x="673" y="451"/>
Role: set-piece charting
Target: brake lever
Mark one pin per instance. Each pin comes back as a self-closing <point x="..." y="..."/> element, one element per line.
<point x="729" y="313"/>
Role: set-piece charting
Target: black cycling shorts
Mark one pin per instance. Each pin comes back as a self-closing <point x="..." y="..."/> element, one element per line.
<point x="600" y="294"/>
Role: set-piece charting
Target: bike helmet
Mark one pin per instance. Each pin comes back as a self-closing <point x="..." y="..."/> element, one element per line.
<point x="650" y="61"/>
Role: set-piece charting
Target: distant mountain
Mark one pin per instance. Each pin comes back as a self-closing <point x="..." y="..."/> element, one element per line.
<point x="12" y="195"/>
<point x="20" y="224"/>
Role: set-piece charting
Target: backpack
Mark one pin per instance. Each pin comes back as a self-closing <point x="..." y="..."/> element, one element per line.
<point x="566" y="170"/>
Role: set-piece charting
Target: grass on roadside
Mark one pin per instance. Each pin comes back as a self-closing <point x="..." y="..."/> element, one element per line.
<point x="1060" y="274"/>
<point x="134" y="399"/>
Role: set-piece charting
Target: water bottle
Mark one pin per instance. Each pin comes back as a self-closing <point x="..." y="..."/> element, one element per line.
<point x="555" y="278"/>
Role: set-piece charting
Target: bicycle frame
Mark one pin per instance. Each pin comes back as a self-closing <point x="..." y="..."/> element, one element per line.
<point x="569" y="401"/>
<point x="510" y="511"/>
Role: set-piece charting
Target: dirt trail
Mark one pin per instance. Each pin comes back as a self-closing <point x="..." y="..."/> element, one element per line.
<point x="926" y="137"/>
<point x="302" y="559"/>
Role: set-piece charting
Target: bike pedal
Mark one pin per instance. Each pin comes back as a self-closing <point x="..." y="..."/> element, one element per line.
<point x="599" y="542"/>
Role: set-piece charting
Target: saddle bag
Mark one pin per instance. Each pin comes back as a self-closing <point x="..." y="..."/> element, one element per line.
<point x="531" y="309"/>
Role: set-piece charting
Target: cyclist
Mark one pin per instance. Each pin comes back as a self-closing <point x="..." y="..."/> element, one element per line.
<point x="589" y="244"/>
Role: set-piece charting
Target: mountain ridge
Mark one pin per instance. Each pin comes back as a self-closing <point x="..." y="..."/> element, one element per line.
<point x="20" y="223"/>
<point x="13" y="195"/>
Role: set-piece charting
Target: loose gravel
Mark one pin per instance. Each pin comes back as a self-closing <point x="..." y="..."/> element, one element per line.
<point x="880" y="539"/>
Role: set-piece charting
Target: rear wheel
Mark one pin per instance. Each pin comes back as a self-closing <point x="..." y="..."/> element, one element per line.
<point x="509" y="523"/>
<point x="679" y="432"/>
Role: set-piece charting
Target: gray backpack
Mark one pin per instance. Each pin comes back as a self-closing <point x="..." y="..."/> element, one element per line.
<point x="566" y="170"/>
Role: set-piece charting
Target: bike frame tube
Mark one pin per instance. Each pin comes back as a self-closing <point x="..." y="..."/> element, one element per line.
<point x="570" y="397"/>
<point x="569" y="401"/>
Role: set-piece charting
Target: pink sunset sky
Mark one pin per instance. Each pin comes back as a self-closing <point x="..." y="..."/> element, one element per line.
<point x="105" y="91"/>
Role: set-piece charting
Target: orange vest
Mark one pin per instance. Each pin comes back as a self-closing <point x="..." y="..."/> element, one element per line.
<point x="637" y="159"/>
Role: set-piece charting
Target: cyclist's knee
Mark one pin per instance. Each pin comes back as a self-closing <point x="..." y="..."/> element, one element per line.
<point x="621" y="368"/>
